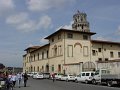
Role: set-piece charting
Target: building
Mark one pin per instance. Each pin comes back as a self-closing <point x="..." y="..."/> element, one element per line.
<point x="71" y="51"/>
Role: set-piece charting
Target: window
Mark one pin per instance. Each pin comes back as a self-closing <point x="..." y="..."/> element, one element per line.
<point x="38" y="56"/>
<point x="34" y="57"/>
<point x="85" y="37"/>
<point x="70" y="51"/>
<point x="34" y="69"/>
<point x="85" y="50"/>
<point x="93" y="52"/>
<point x="82" y="26"/>
<point x="99" y="49"/>
<point x="83" y="74"/>
<point x="87" y="74"/>
<point x="92" y="74"/>
<point x="31" y="58"/>
<point x="42" y="55"/>
<point x="59" y="36"/>
<point x="119" y="54"/>
<point x="38" y="68"/>
<point x="97" y="72"/>
<point x="59" y="68"/>
<point x="52" y="39"/>
<point x="55" y="54"/>
<point x="111" y="54"/>
<point x="59" y="50"/>
<point x="47" y="53"/>
<point x="52" y="68"/>
<point x="99" y="59"/>
<point x="70" y="35"/>
<point x="106" y="59"/>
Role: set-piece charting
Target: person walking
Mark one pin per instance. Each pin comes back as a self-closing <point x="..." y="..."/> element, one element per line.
<point x="13" y="79"/>
<point x="25" y="79"/>
<point x="53" y="77"/>
<point x="19" y="78"/>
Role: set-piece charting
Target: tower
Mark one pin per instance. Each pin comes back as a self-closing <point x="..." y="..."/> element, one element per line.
<point x="80" y="22"/>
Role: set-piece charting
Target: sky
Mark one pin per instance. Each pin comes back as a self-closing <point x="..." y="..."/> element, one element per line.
<point x="25" y="23"/>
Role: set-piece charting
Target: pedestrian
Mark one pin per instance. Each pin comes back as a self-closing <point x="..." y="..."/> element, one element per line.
<point x="19" y="78"/>
<point x="53" y="77"/>
<point x="14" y="78"/>
<point x="9" y="82"/>
<point x="25" y="79"/>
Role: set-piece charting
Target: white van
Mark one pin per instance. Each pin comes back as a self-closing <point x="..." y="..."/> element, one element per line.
<point x="85" y="77"/>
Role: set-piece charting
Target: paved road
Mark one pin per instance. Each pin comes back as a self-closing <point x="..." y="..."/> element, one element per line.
<point x="61" y="85"/>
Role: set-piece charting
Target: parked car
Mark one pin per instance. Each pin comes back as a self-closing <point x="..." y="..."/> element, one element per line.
<point x="30" y="74"/>
<point x="2" y="83"/>
<point x="58" y="76"/>
<point x="85" y="77"/>
<point x="38" y="76"/>
<point x="46" y="75"/>
<point x="68" y="77"/>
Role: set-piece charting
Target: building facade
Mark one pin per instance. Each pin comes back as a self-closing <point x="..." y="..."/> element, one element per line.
<point x="71" y="51"/>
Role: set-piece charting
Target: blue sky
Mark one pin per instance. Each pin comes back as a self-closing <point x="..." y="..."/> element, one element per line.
<point x="25" y="23"/>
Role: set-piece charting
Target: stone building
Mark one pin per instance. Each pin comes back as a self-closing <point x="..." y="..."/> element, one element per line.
<point x="71" y="51"/>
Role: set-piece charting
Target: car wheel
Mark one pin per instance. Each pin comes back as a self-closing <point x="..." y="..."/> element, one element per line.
<point x="86" y="81"/>
<point x="109" y="83"/>
<point x="94" y="82"/>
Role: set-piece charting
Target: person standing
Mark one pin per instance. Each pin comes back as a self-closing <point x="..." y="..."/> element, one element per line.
<point x="19" y="78"/>
<point x="25" y="79"/>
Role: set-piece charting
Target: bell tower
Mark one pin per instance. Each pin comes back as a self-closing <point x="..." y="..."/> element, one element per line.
<point x="80" y="22"/>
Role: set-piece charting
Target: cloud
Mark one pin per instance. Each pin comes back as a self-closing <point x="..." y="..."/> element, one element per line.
<point x="11" y="58"/>
<point x="6" y="6"/>
<point x="17" y="18"/>
<point x="44" y="22"/>
<point x="22" y="22"/>
<point x="66" y="26"/>
<point x="43" y="41"/>
<point x="102" y="38"/>
<point x="41" y="5"/>
<point x="118" y="31"/>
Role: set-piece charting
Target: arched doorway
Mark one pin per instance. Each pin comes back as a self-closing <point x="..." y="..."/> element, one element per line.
<point x="88" y="66"/>
<point x="47" y="68"/>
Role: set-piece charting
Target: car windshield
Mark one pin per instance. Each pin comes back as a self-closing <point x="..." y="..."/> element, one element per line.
<point x="65" y="75"/>
<point x="97" y="72"/>
<point x="35" y="73"/>
<point x="40" y="73"/>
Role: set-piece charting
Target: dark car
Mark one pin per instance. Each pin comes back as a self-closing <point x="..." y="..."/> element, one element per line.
<point x="46" y="75"/>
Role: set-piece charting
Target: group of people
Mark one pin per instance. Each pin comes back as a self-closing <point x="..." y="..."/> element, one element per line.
<point x="15" y="78"/>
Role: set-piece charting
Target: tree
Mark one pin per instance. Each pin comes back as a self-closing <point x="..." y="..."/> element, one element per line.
<point x="2" y="66"/>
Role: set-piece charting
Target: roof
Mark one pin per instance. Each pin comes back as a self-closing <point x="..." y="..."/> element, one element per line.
<point x="33" y="47"/>
<point x="68" y="30"/>
<point x="105" y="42"/>
<point x="40" y="47"/>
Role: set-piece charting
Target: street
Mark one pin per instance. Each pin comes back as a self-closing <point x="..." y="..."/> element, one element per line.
<point x="61" y="85"/>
